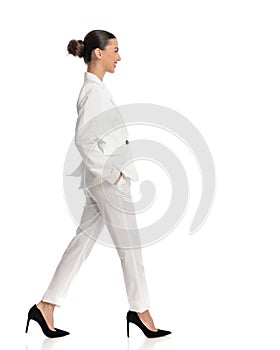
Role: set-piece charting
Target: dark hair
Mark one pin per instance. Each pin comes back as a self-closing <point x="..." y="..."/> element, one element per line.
<point x="94" y="39"/>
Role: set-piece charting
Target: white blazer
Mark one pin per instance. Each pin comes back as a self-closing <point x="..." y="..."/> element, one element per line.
<point x="97" y="136"/>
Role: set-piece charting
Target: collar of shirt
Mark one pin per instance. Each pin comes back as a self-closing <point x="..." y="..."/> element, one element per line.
<point x="90" y="77"/>
<point x="94" y="78"/>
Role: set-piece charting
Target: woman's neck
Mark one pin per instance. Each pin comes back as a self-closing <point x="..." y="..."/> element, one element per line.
<point x="97" y="70"/>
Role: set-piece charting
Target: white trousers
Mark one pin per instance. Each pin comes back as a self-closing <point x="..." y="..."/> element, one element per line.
<point x="109" y="205"/>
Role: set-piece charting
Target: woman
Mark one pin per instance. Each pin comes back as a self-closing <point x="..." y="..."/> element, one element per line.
<point x="102" y="173"/>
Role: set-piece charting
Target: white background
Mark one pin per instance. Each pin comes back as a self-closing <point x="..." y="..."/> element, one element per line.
<point x="217" y="63"/>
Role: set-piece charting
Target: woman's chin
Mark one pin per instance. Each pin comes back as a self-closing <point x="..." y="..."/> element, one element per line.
<point x="111" y="70"/>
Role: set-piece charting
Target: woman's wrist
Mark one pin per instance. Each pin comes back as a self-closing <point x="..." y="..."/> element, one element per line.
<point x="118" y="179"/>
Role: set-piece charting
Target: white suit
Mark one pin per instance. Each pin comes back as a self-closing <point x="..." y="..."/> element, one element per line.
<point x="97" y="136"/>
<point x="99" y="170"/>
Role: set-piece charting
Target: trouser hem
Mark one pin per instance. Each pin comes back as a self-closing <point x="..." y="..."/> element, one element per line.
<point x="48" y="298"/>
<point x="140" y="309"/>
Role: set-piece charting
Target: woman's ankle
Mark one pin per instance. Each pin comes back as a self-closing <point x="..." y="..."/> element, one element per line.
<point x="46" y="305"/>
<point x="143" y="312"/>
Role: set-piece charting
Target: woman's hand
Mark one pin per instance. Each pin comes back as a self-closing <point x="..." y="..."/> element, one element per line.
<point x="118" y="179"/>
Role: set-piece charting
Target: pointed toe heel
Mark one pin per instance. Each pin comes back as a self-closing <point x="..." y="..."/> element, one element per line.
<point x="132" y="317"/>
<point x="36" y="315"/>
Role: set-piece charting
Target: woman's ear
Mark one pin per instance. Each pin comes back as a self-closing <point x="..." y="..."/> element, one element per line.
<point x="96" y="54"/>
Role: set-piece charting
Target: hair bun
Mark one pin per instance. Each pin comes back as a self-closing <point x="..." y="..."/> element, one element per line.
<point x="76" y="48"/>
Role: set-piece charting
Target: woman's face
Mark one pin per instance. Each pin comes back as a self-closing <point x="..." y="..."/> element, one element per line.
<point x="110" y="56"/>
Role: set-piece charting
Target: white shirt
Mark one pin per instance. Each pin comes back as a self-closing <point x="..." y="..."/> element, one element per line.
<point x="96" y="138"/>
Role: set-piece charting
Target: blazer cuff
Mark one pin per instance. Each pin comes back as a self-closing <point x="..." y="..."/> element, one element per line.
<point x="115" y="173"/>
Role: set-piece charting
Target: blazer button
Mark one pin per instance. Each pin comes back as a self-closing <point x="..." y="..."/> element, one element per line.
<point x="126" y="141"/>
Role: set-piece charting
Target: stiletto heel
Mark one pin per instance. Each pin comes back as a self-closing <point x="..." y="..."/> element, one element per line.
<point x="35" y="314"/>
<point x="133" y="317"/>
<point x="127" y="328"/>
<point x="27" y="325"/>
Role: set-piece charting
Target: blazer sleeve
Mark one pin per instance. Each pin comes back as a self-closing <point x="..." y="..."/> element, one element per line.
<point x="88" y="136"/>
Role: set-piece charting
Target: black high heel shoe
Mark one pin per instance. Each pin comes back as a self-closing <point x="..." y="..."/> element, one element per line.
<point x="133" y="317"/>
<point x="36" y="315"/>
